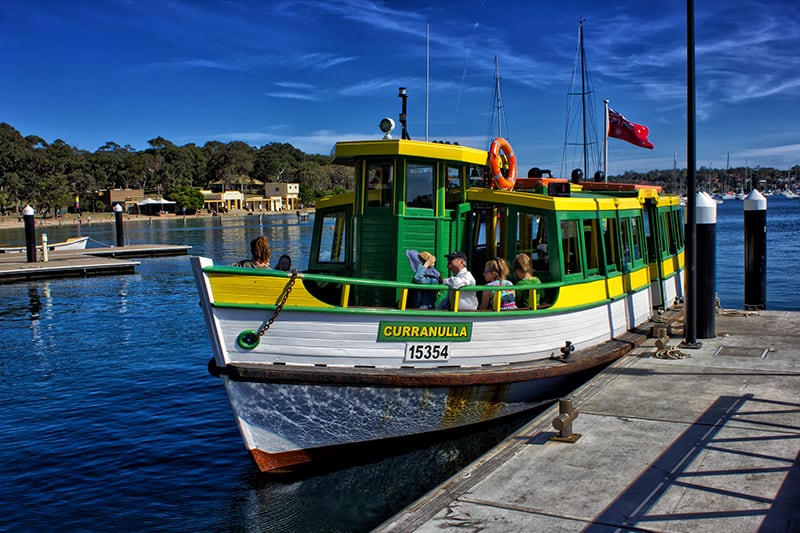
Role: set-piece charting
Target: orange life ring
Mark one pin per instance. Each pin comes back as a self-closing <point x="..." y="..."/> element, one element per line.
<point x="495" y="163"/>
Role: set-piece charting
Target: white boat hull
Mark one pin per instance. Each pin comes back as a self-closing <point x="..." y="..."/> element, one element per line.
<point x="78" y="243"/>
<point x="317" y="381"/>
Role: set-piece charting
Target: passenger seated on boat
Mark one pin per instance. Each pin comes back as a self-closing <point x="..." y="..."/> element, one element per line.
<point x="462" y="277"/>
<point x="496" y="273"/>
<point x="284" y="263"/>
<point x="523" y="270"/>
<point x="424" y="273"/>
<point x="260" y="253"/>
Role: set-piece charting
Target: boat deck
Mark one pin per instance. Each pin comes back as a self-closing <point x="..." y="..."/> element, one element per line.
<point x="709" y="442"/>
<point x="81" y="263"/>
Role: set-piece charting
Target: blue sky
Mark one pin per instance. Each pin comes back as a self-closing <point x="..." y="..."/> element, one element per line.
<point x="311" y="73"/>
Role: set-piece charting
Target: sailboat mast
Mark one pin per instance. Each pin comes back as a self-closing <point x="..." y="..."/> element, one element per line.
<point x="497" y="92"/>
<point x="583" y="98"/>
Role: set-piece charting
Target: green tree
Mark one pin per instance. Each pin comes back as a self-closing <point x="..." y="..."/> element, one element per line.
<point x="186" y="197"/>
<point x="230" y="161"/>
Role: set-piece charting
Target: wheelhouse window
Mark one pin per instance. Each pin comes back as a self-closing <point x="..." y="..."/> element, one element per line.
<point x="332" y="244"/>
<point x="453" y="178"/>
<point x="419" y="185"/>
<point x="379" y="176"/>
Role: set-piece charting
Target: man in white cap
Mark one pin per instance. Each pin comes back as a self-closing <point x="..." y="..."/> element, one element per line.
<point x="462" y="277"/>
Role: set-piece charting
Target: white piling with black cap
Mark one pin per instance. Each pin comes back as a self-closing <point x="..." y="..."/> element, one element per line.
<point x="120" y="232"/>
<point x="30" y="233"/>
<point x="706" y="212"/>
<point x="755" y="251"/>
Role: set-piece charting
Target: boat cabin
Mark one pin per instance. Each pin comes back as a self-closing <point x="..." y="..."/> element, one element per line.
<point x="438" y="197"/>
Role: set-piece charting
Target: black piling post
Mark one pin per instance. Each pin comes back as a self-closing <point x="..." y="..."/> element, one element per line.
<point x="706" y="265"/>
<point x="118" y="224"/>
<point x="755" y="251"/>
<point x="30" y="233"/>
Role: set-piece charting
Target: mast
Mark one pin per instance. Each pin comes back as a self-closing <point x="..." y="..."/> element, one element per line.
<point x="583" y="97"/>
<point x="427" y="73"/>
<point x="581" y="126"/>
<point x="497" y="92"/>
<point x="496" y="106"/>
<point x="605" y="141"/>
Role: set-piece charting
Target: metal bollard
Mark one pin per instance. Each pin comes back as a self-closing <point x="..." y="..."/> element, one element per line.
<point x="660" y="333"/>
<point x="563" y="422"/>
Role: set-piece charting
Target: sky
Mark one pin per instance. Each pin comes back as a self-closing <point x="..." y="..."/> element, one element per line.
<point x="312" y="73"/>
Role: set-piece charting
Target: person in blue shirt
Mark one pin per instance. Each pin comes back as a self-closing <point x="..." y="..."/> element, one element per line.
<point x="422" y="263"/>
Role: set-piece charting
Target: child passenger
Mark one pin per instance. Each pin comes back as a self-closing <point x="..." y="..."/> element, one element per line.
<point x="496" y="274"/>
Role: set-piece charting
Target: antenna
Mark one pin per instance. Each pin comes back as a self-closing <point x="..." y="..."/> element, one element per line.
<point x="427" y="74"/>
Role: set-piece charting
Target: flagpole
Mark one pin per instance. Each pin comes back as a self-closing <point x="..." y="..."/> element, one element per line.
<point x="605" y="142"/>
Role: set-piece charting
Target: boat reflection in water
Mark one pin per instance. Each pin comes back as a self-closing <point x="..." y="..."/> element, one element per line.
<point x="359" y="497"/>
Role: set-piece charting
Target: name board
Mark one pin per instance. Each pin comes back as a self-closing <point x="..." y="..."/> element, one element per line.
<point x="424" y="331"/>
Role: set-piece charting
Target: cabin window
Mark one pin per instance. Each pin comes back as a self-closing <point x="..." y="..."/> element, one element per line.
<point x="653" y="238"/>
<point x="453" y="178"/>
<point x="626" y="242"/>
<point x="668" y="230"/>
<point x="332" y="244"/>
<point x="570" y="247"/>
<point x="419" y="185"/>
<point x="636" y="239"/>
<point x="477" y="176"/>
<point x="379" y="180"/>
<point x="532" y="239"/>
<point x="609" y="227"/>
<point x="591" y="238"/>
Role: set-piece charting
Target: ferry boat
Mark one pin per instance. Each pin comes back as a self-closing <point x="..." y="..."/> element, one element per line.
<point x="334" y="357"/>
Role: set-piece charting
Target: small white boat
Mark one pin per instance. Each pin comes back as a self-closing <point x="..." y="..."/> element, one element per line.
<point x="73" y="243"/>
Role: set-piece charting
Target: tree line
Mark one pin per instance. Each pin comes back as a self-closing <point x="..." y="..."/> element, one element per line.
<point x="49" y="176"/>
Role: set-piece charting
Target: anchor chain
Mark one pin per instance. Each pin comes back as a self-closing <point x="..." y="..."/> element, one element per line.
<point x="285" y="296"/>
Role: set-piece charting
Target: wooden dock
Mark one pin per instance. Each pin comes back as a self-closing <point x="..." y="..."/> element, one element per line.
<point x="704" y="443"/>
<point x="82" y="263"/>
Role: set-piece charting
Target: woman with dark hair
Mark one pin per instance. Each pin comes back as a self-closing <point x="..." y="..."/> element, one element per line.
<point x="260" y="253"/>
<point x="284" y="263"/>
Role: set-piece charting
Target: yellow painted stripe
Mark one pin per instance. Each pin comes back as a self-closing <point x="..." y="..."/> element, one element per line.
<point x="241" y="289"/>
<point x="616" y="286"/>
<point x="581" y="294"/>
<point x="639" y="278"/>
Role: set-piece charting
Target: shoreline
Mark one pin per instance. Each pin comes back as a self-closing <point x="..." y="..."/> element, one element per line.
<point x="12" y="221"/>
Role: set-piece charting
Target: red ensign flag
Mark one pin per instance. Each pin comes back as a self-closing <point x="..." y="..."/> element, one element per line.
<point x="622" y="128"/>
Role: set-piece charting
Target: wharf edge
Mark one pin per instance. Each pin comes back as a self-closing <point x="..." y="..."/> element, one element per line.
<point x="705" y="443"/>
<point x="88" y="262"/>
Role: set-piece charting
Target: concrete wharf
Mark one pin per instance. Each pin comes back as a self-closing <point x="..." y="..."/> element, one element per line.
<point x="705" y="443"/>
<point x="81" y="263"/>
